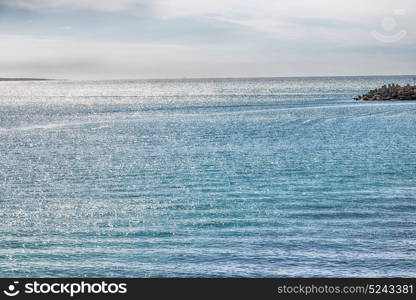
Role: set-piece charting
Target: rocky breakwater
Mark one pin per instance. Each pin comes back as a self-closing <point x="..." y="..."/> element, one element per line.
<point x="390" y="92"/>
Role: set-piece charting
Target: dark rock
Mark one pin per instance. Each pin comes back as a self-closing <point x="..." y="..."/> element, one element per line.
<point x="390" y="92"/>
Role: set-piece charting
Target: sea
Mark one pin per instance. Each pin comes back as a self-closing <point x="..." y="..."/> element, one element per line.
<point x="233" y="177"/>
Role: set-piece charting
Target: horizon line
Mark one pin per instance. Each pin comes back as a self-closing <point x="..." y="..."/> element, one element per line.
<point x="195" y="78"/>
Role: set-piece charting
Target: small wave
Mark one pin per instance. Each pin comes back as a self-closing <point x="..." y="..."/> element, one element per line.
<point x="52" y="126"/>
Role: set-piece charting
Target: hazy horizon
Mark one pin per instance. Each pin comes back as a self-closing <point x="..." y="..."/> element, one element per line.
<point x="197" y="78"/>
<point x="160" y="39"/>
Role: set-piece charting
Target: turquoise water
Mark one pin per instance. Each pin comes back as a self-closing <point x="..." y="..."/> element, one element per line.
<point x="216" y="177"/>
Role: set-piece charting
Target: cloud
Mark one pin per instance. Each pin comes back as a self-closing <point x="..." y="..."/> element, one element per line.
<point x="57" y="57"/>
<point x="338" y="21"/>
<point x="328" y="20"/>
<point x="103" y="5"/>
<point x="197" y="38"/>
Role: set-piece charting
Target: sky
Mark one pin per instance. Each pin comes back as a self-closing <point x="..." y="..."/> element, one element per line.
<point x="115" y="39"/>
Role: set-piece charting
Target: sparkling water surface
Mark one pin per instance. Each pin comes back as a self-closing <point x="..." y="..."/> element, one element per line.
<point x="206" y="178"/>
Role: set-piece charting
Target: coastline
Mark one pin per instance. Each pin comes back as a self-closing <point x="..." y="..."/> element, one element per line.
<point x="25" y="79"/>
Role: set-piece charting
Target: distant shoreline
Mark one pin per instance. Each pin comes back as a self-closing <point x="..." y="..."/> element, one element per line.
<point x="23" y="79"/>
<point x="203" y="78"/>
